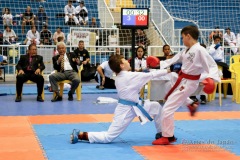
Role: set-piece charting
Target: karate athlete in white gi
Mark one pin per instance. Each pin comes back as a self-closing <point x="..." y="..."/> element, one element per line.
<point x="194" y="63"/>
<point x="214" y="73"/>
<point x="128" y="85"/>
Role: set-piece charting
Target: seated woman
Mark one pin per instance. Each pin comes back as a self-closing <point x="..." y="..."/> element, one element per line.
<point x="33" y="36"/>
<point x="57" y="34"/>
<point x="7" y="17"/>
<point x="9" y="36"/>
<point x="140" y="61"/>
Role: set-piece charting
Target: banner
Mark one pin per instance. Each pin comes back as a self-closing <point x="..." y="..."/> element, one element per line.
<point x="78" y="35"/>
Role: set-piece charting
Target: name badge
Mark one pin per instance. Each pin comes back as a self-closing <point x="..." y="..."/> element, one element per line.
<point x="81" y="58"/>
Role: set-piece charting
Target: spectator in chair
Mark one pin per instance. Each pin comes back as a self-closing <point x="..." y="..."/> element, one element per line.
<point x="69" y="11"/>
<point x="7" y="17"/>
<point x="66" y="65"/>
<point x="46" y="36"/>
<point x="230" y="40"/>
<point x="9" y="36"/>
<point x="33" y="36"/>
<point x="167" y="51"/>
<point x="41" y="17"/>
<point x="216" y="51"/>
<point x="94" y="22"/>
<point x="28" y="18"/>
<point x="30" y="67"/>
<point x="140" y="61"/>
<point x="82" y="11"/>
<point x="82" y="54"/>
<point x="57" y="34"/>
<point x="214" y="33"/>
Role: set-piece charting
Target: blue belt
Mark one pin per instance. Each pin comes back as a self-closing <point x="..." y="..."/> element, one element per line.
<point x="130" y="103"/>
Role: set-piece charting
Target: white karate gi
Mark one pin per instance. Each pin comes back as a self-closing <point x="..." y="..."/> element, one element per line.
<point x="231" y="40"/>
<point x="217" y="54"/>
<point x="6" y="36"/>
<point x="8" y="18"/>
<point x="214" y="73"/>
<point x="78" y="9"/>
<point x="128" y="85"/>
<point x="140" y="63"/>
<point x="70" y="11"/>
<point x="31" y="35"/>
<point x="194" y="62"/>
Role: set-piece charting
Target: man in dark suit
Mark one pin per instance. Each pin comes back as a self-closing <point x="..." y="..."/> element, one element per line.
<point x="30" y="67"/>
<point x="66" y="65"/>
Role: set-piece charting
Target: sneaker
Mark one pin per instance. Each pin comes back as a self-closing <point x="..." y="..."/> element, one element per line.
<point x="101" y="88"/>
<point x="203" y="99"/>
<point x="70" y="96"/>
<point x="194" y="98"/>
<point x="74" y="136"/>
<point x="203" y="102"/>
<point x="39" y="99"/>
<point x="18" y="99"/>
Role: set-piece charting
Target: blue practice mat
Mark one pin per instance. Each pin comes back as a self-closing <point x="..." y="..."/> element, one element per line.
<point x="55" y="139"/>
<point x="28" y="89"/>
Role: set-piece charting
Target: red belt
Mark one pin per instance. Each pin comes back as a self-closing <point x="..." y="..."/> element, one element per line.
<point x="182" y="75"/>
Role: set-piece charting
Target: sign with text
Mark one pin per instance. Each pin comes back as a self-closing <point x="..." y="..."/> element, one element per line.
<point x="78" y="35"/>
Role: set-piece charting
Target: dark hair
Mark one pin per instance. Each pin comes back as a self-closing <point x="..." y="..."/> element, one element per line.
<point x="141" y="48"/>
<point x="59" y="28"/>
<point x="192" y="30"/>
<point x="165" y="45"/>
<point x="45" y="27"/>
<point x="59" y="39"/>
<point x="114" y="63"/>
<point x="31" y="45"/>
<point x="7" y="27"/>
<point x="81" y="41"/>
<point x="203" y="45"/>
<point x="216" y="37"/>
<point x="8" y="10"/>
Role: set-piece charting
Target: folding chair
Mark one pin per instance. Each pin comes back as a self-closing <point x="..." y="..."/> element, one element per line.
<point x="79" y="88"/>
<point x="31" y="82"/>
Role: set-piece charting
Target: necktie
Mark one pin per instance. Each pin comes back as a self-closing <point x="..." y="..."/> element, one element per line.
<point x="62" y="65"/>
<point x="30" y="61"/>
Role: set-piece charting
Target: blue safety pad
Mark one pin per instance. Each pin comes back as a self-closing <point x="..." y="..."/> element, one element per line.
<point x="88" y="105"/>
<point x="31" y="89"/>
<point x="55" y="138"/>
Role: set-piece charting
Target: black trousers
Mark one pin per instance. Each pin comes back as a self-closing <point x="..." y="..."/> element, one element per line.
<point x="109" y="83"/>
<point x="29" y="75"/>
